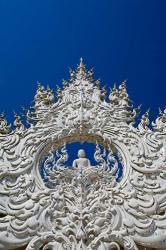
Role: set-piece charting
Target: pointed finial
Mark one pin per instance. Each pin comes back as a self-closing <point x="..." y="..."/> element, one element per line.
<point x="81" y="69"/>
<point x="81" y="61"/>
<point x="114" y="87"/>
<point x="81" y="64"/>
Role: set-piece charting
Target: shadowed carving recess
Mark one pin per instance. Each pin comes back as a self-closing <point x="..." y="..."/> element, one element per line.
<point x="83" y="206"/>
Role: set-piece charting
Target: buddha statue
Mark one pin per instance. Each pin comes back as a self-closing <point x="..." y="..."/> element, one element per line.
<point x="82" y="162"/>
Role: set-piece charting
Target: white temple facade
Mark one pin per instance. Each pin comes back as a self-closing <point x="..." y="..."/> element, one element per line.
<point x="117" y="203"/>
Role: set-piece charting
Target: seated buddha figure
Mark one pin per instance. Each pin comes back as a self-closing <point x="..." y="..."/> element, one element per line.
<point x="82" y="162"/>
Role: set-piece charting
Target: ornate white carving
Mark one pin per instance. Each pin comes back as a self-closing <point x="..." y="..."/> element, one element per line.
<point x="87" y="210"/>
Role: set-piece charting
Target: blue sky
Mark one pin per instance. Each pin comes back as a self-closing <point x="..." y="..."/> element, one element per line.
<point x="121" y="39"/>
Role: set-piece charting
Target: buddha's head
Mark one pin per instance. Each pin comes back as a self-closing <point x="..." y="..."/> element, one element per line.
<point x="81" y="153"/>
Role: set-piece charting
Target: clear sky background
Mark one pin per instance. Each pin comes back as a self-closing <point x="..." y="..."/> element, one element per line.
<point x="121" y="39"/>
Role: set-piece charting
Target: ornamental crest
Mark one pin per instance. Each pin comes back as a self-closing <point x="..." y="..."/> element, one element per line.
<point x="111" y="196"/>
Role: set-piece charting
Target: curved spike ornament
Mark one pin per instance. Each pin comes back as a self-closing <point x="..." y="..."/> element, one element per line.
<point x="118" y="202"/>
<point x="18" y="123"/>
<point x="4" y="127"/>
<point x="160" y="123"/>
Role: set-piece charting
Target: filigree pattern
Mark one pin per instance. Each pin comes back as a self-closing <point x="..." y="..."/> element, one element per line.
<point x="87" y="210"/>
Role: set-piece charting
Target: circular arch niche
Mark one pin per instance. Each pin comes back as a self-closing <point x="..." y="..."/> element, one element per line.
<point x="57" y="144"/>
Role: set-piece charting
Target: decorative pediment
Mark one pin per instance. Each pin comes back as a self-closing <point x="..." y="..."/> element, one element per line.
<point x="119" y="201"/>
